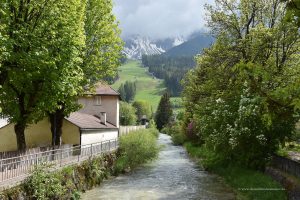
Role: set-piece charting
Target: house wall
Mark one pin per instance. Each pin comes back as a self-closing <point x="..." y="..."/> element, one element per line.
<point x="8" y="138"/>
<point x="37" y="135"/>
<point x="109" y="104"/>
<point x="94" y="136"/>
<point x="70" y="133"/>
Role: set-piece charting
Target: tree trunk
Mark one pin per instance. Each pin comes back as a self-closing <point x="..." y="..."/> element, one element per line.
<point x="20" y="134"/>
<point x="56" y="120"/>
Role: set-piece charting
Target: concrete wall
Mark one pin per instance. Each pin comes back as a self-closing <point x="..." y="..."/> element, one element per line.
<point x="94" y="136"/>
<point x="109" y="104"/>
<point x="37" y="135"/>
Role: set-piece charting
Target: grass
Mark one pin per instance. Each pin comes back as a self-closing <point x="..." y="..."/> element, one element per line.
<point x="247" y="183"/>
<point x="149" y="89"/>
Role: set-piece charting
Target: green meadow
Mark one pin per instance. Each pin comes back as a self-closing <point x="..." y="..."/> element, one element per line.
<point x="149" y="89"/>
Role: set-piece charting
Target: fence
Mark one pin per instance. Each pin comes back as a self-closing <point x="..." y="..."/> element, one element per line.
<point x="11" y="154"/>
<point x="126" y="129"/>
<point x="20" y="166"/>
<point x="286" y="165"/>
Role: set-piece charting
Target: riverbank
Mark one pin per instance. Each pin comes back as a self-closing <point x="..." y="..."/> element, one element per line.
<point x="246" y="183"/>
<point x="69" y="182"/>
<point x="172" y="176"/>
<point x="66" y="183"/>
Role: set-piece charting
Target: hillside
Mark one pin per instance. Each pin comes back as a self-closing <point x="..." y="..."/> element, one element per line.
<point x="149" y="88"/>
<point x="191" y="47"/>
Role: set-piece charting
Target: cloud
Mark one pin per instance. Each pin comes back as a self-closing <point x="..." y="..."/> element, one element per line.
<point x="159" y="19"/>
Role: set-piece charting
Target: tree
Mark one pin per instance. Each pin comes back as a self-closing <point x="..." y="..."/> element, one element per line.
<point x="242" y="94"/>
<point x="127" y="114"/>
<point x="293" y="12"/>
<point x="164" y="111"/>
<point x="122" y="92"/>
<point x="100" y="58"/>
<point x="130" y="90"/>
<point x="142" y="108"/>
<point x="42" y="41"/>
<point x="103" y="48"/>
<point x="127" y="91"/>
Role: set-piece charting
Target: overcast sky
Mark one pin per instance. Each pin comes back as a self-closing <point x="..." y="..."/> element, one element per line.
<point x="160" y="19"/>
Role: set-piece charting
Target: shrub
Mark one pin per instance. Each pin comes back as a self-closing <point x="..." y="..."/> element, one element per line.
<point x="153" y="131"/>
<point x="177" y="134"/>
<point x="136" y="148"/>
<point x="127" y="114"/>
<point x="43" y="184"/>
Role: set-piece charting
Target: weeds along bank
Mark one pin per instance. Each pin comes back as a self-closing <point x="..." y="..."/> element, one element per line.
<point x="246" y="183"/>
<point x="135" y="148"/>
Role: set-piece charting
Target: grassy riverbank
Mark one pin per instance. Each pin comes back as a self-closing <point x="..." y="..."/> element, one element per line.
<point x="247" y="184"/>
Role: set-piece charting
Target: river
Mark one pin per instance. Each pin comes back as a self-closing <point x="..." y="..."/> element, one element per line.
<point x="172" y="176"/>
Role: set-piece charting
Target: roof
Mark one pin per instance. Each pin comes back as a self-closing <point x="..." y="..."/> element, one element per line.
<point x="103" y="89"/>
<point x="86" y="121"/>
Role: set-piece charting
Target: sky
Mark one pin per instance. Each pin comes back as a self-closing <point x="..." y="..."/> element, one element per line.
<point x="160" y="19"/>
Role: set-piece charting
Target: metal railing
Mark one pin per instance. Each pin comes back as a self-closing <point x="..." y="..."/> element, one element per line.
<point x="287" y="165"/>
<point x="22" y="166"/>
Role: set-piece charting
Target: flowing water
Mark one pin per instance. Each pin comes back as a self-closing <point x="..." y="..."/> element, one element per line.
<point x="172" y="176"/>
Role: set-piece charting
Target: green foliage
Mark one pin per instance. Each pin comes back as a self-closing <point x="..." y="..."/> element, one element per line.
<point x="142" y="108"/>
<point x="103" y="43"/>
<point x="43" y="185"/>
<point x="127" y="91"/>
<point x="153" y="131"/>
<point x="164" y="112"/>
<point x="66" y="183"/>
<point x="152" y="124"/>
<point x="171" y="69"/>
<point x="49" y="51"/>
<point x="293" y="13"/>
<point x="42" y="43"/>
<point x="122" y="92"/>
<point x="239" y="178"/>
<point x="137" y="148"/>
<point x="242" y="96"/>
<point x="178" y="136"/>
<point x="148" y="89"/>
<point x="175" y="131"/>
<point x="127" y="114"/>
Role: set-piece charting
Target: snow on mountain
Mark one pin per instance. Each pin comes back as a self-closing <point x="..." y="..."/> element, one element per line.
<point x="137" y="46"/>
<point x="178" y="41"/>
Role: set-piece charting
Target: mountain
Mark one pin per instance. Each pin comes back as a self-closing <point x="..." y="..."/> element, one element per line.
<point x="191" y="47"/>
<point x="137" y="46"/>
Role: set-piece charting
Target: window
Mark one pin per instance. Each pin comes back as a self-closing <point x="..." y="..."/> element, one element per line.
<point x="98" y="100"/>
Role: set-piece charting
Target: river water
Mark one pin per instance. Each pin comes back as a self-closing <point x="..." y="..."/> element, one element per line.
<point x="172" y="176"/>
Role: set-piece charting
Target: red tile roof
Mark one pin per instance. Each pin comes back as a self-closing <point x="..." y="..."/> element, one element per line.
<point x="103" y="89"/>
<point x="86" y="121"/>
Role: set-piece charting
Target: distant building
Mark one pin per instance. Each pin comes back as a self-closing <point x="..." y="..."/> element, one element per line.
<point x="144" y="120"/>
<point x="97" y="121"/>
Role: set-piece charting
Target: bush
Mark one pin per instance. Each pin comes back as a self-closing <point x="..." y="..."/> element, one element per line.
<point x="176" y="132"/>
<point x="153" y="131"/>
<point x="136" y="148"/>
<point x="127" y="114"/>
<point x="237" y="176"/>
<point x="43" y="184"/>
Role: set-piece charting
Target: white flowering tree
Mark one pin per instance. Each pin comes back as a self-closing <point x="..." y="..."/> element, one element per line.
<point x="244" y="92"/>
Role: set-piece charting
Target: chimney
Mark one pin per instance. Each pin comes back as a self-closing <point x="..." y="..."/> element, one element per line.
<point x="103" y="117"/>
